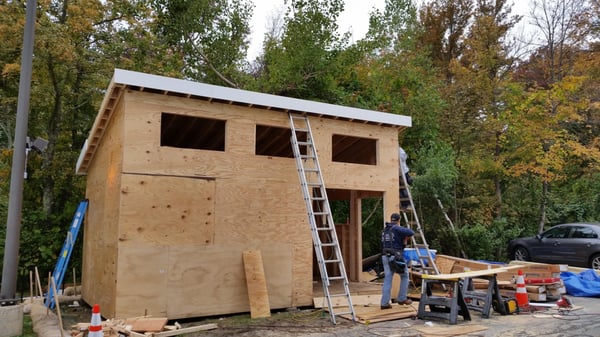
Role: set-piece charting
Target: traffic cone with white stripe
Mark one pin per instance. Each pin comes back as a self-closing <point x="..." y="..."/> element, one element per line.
<point x="95" y="329"/>
<point x="521" y="295"/>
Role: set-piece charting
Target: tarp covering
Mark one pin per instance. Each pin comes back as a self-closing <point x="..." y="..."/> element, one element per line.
<point x="584" y="284"/>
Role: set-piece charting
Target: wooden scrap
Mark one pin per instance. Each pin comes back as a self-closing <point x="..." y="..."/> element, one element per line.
<point x="146" y="324"/>
<point x="449" y="330"/>
<point x="197" y="328"/>
<point x="257" y="285"/>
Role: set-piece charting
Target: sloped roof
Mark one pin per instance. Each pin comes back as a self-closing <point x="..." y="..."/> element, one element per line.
<point x="130" y="80"/>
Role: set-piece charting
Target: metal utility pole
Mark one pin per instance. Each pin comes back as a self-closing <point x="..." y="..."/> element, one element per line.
<point x="8" y="290"/>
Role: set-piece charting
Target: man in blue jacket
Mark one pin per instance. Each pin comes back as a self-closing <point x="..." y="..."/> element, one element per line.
<point x="394" y="238"/>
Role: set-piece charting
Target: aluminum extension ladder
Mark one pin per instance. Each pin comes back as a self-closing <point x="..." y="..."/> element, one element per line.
<point x="65" y="253"/>
<point x="319" y="215"/>
<point x="411" y="218"/>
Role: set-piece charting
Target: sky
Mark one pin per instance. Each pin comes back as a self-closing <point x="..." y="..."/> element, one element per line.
<point x="354" y="19"/>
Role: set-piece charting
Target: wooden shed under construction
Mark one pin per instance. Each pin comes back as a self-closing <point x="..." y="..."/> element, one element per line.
<point x="184" y="177"/>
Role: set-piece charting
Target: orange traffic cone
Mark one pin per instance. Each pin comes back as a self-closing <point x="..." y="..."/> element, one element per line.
<point x="521" y="295"/>
<point x="95" y="329"/>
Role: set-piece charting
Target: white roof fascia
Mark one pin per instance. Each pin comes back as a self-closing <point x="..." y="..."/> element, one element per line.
<point x="169" y="84"/>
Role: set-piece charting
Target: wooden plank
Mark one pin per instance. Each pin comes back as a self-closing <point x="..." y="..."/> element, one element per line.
<point x="473" y="273"/>
<point x="321" y="302"/>
<point x="449" y="330"/>
<point x="146" y="324"/>
<point x="257" y="285"/>
<point x="203" y="327"/>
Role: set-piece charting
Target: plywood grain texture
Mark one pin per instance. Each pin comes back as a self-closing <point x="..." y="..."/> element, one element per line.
<point x="167" y="210"/>
<point x="257" y="284"/>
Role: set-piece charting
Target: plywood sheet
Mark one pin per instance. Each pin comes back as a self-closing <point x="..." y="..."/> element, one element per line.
<point x="142" y="281"/>
<point x="166" y="210"/>
<point x="373" y="314"/>
<point x="257" y="285"/>
<point x="210" y="280"/>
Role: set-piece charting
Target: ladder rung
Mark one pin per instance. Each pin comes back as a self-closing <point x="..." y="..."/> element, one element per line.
<point x="338" y="295"/>
<point x="329" y="244"/>
<point x="337" y="278"/>
<point x="333" y="261"/>
<point x="343" y="313"/>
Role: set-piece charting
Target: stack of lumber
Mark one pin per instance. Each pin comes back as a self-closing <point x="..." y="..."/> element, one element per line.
<point x="542" y="281"/>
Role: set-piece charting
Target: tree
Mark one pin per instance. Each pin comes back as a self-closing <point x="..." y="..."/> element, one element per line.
<point x="210" y="36"/>
<point x="565" y="26"/>
<point x="303" y="62"/>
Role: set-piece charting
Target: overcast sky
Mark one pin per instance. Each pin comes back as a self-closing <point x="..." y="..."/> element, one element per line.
<point x="354" y="19"/>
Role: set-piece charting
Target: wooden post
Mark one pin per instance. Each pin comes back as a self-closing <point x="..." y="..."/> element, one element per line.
<point x="57" y="306"/>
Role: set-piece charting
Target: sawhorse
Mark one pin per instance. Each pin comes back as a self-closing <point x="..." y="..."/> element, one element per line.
<point x="482" y="300"/>
<point x="449" y="307"/>
<point x="445" y="307"/>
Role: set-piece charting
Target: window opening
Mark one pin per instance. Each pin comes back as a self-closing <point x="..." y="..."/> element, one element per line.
<point x="355" y="150"/>
<point x="191" y="132"/>
<point x="275" y="141"/>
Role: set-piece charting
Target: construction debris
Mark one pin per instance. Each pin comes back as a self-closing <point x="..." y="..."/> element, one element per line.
<point x="141" y="327"/>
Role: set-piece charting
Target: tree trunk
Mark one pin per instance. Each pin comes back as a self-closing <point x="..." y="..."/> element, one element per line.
<point x="543" y="206"/>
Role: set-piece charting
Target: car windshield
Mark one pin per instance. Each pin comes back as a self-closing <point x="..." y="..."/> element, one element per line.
<point x="556" y="233"/>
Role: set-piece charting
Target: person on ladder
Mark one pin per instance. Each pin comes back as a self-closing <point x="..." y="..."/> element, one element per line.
<point x="403" y="168"/>
<point x="394" y="238"/>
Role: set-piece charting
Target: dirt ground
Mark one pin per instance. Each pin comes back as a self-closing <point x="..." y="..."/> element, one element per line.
<point x="584" y="321"/>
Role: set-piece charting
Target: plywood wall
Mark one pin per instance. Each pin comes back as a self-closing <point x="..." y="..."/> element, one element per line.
<point x="101" y="224"/>
<point x="180" y="219"/>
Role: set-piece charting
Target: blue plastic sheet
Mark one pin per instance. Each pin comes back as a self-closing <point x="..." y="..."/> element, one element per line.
<point x="584" y="284"/>
<point x="410" y="254"/>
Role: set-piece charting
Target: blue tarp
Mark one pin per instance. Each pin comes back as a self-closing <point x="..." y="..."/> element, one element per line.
<point x="410" y="254"/>
<point x="584" y="284"/>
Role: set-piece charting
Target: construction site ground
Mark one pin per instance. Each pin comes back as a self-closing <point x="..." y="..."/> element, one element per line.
<point x="581" y="320"/>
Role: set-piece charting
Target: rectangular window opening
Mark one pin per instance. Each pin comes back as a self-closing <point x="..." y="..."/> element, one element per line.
<point x="275" y="141"/>
<point x="354" y="150"/>
<point x="190" y="132"/>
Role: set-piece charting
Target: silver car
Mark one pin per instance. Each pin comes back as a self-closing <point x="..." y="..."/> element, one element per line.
<point x="575" y="244"/>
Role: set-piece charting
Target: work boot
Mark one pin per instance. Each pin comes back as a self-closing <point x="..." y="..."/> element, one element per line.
<point x="407" y="301"/>
<point x="386" y="306"/>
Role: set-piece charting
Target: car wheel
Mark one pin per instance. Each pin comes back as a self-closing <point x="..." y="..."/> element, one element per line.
<point x="521" y="254"/>
<point x="595" y="262"/>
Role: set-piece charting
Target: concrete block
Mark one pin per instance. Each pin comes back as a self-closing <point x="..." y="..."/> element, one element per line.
<point x="11" y="320"/>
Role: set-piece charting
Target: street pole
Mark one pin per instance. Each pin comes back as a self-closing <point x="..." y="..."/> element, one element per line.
<point x="8" y="292"/>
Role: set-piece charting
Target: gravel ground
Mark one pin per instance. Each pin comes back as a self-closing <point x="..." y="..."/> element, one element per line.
<point x="316" y="323"/>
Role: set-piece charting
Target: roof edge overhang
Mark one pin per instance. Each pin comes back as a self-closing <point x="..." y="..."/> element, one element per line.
<point x="126" y="79"/>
